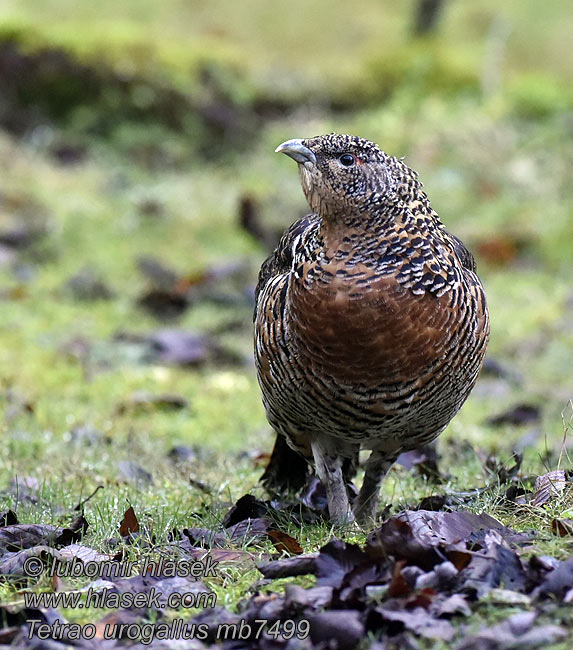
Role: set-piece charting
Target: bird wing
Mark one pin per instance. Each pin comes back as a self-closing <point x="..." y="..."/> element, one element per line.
<point x="281" y="259"/>
<point x="464" y="255"/>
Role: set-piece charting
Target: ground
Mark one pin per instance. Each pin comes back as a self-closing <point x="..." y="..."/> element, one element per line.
<point x="165" y="127"/>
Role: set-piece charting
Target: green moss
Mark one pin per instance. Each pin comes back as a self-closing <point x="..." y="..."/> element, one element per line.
<point x="537" y="96"/>
<point x="420" y="68"/>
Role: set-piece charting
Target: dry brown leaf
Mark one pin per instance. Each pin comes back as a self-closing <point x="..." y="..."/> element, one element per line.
<point x="562" y="527"/>
<point x="129" y="523"/>
<point x="283" y="542"/>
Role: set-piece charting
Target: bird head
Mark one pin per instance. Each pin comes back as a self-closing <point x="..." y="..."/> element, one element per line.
<point x="344" y="176"/>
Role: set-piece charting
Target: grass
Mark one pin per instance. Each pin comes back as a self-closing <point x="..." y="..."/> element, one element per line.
<point x="497" y="170"/>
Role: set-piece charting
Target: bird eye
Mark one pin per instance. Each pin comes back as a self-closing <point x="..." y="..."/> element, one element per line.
<point x="347" y="159"/>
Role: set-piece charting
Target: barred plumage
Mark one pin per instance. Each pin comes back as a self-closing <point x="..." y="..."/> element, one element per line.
<point x="371" y="324"/>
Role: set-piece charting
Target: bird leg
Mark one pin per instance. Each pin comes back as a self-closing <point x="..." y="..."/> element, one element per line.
<point x="329" y="469"/>
<point x="366" y="504"/>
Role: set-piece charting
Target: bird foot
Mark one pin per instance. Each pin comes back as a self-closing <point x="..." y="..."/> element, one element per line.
<point x="340" y="517"/>
<point x="365" y="513"/>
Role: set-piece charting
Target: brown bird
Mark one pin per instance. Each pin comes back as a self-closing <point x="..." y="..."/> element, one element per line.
<point x="371" y="324"/>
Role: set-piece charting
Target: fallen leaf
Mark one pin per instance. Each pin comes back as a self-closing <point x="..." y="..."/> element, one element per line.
<point x="548" y="486"/>
<point x="162" y="586"/>
<point x="114" y="620"/>
<point x="499" y="566"/>
<point x="443" y="577"/>
<point x="289" y="567"/>
<point x="85" y="554"/>
<point x="205" y="537"/>
<point x="424" y="461"/>
<point x="248" y="529"/>
<point x="495" y="368"/>
<point x="500" y="469"/>
<point x="557" y="582"/>
<point x="518" y="415"/>
<point x="21" y="536"/>
<point x="57" y="583"/>
<point x="452" y="605"/>
<point x="562" y="527"/>
<point x="68" y="153"/>
<point x="222" y="555"/>
<point x="143" y="402"/>
<point x="313" y="495"/>
<point x="74" y="531"/>
<point x="12" y="615"/>
<point x="164" y="304"/>
<point x="129" y="524"/>
<point x="189" y="588"/>
<point x="182" y="454"/>
<point x="86" y="435"/>
<point x="399" y="585"/>
<point x="284" y="543"/>
<point x="231" y="556"/>
<point x="8" y="518"/>
<point x="8" y="634"/>
<point x="418" y="620"/>
<point x="337" y="560"/>
<point x="171" y="293"/>
<point x="315" y="597"/>
<point x="245" y="531"/>
<point x="515" y="632"/>
<point x="21" y="235"/>
<point x="180" y="347"/>
<point x="131" y="472"/>
<point x="422" y="537"/>
<point x="434" y="502"/>
<point x="87" y="285"/>
<point x="247" y="507"/>
<point x="341" y="627"/>
<point x="517" y="494"/>
<point x="15" y="564"/>
<point x="538" y="568"/>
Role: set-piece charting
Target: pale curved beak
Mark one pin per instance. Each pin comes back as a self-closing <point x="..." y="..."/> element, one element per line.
<point x="297" y="151"/>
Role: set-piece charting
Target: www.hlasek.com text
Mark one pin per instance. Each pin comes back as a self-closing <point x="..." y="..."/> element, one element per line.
<point x="109" y="598"/>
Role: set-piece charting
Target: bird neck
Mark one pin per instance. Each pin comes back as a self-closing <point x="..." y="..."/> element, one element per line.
<point x="349" y="230"/>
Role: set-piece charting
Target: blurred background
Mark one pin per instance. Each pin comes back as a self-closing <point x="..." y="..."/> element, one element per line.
<point x="139" y="194"/>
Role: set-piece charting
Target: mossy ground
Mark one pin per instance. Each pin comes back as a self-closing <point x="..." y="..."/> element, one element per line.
<point x="496" y="165"/>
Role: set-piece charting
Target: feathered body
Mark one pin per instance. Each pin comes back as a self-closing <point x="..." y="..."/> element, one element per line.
<point x="371" y="324"/>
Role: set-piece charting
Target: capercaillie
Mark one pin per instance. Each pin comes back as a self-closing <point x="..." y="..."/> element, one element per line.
<point x="371" y="324"/>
